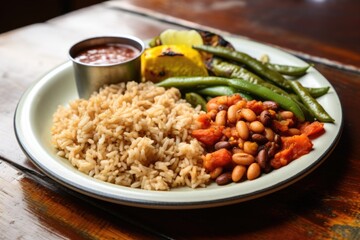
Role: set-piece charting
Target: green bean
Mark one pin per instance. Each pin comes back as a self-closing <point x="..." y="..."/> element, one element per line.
<point x="288" y="70"/>
<point x="226" y="69"/>
<point x="314" y="106"/>
<point x="242" y="85"/>
<point x="192" y="82"/>
<point x="309" y="116"/>
<point x="215" y="91"/>
<point x="318" y="92"/>
<point x="249" y="61"/>
<point x="222" y="68"/>
<point x="195" y="99"/>
<point x="294" y="96"/>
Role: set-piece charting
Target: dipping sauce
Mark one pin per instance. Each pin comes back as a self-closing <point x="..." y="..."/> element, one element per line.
<point x="110" y="53"/>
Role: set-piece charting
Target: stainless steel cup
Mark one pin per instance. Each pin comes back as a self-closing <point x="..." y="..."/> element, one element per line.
<point x="90" y="78"/>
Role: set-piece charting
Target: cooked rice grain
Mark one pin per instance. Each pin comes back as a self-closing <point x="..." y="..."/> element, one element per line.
<point x="132" y="134"/>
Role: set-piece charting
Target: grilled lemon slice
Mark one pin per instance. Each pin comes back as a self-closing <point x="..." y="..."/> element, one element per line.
<point x="181" y="37"/>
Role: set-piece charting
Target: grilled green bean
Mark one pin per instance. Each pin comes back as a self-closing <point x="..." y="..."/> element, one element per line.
<point x="215" y="91"/>
<point x="314" y="106"/>
<point x="318" y="92"/>
<point x="225" y="69"/>
<point x="192" y="82"/>
<point x="240" y="84"/>
<point x="195" y="99"/>
<point x="288" y="70"/>
<point x="249" y="61"/>
<point x="309" y="116"/>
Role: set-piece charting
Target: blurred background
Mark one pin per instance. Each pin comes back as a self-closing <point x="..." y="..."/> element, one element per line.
<point x="15" y="14"/>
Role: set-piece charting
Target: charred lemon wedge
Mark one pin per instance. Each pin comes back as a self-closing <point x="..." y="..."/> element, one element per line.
<point x="189" y="38"/>
<point x="181" y="37"/>
<point x="164" y="61"/>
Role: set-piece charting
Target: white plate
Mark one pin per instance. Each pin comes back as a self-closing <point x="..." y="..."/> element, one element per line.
<point x="33" y="119"/>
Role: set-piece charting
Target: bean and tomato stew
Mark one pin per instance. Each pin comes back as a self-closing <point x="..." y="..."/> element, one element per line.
<point x="246" y="138"/>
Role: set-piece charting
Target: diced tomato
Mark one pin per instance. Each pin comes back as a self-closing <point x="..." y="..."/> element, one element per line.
<point x="292" y="148"/>
<point x="231" y="132"/>
<point x="312" y="130"/>
<point x="283" y="125"/>
<point x="227" y="132"/>
<point x="204" y="121"/>
<point x="256" y="106"/>
<point x="280" y="126"/>
<point x="208" y="136"/>
<point x="219" y="158"/>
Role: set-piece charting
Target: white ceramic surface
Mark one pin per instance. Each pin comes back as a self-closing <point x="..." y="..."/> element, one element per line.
<point x="33" y="121"/>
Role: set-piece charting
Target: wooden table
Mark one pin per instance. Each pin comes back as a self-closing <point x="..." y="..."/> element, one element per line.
<point x="323" y="205"/>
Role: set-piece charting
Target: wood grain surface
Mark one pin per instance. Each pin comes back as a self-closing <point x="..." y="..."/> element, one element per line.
<point x="312" y="28"/>
<point x="323" y="205"/>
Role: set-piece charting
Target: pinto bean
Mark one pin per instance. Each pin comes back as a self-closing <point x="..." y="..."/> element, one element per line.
<point x="253" y="171"/>
<point x="243" y="159"/>
<point x="293" y="131"/>
<point x="238" y="172"/>
<point x="242" y="129"/>
<point x="233" y="113"/>
<point x="224" y="178"/>
<point x="241" y="104"/>
<point x="257" y="127"/>
<point x="286" y="114"/>
<point x="237" y="150"/>
<point x="216" y="172"/>
<point x="269" y="134"/>
<point x="248" y="114"/>
<point x="271" y="105"/>
<point x="277" y="139"/>
<point x="222" y="107"/>
<point x="222" y="144"/>
<point x="262" y="158"/>
<point x="220" y="118"/>
<point x="272" y="148"/>
<point x="265" y="118"/>
<point x="259" y="138"/>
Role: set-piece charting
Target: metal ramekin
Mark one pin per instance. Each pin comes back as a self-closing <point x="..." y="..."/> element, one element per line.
<point x="90" y="78"/>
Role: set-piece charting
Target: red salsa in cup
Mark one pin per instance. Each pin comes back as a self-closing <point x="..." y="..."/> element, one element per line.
<point x="110" y="53"/>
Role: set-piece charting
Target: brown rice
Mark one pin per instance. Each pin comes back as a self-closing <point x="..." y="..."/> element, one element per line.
<point x="134" y="135"/>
